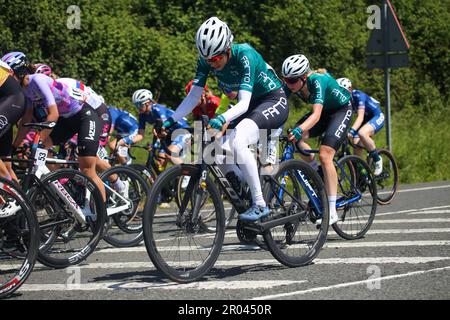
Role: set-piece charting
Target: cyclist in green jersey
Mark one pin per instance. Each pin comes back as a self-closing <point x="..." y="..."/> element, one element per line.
<point x="262" y="103"/>
<point x="331" y="114"/>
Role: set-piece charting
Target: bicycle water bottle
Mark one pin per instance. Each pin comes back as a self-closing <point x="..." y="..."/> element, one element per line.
<point x="288" y="153"/>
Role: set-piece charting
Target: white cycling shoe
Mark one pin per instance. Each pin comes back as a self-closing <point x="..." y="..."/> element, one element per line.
<point x="378" y="167"/>
<point x="9" y="210"/>
<point x="333" y="219"/>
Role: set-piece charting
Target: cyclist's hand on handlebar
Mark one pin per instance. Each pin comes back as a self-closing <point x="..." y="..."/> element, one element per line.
<point x="217" y="122"/>
<point x="295" y="134"/>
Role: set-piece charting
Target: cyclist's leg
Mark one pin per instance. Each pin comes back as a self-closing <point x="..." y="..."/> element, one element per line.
<point x="12" y="108"/>
<point x="366" y="132"/>
<point x="266" y="114"/>
<point x="315" y="131"/>
<point x="330" y="144"/>
<point x="180" y="143"/>
<point x="88" y="141"/>
<point x="5" y="150"/>
<point x="4" y="173"/>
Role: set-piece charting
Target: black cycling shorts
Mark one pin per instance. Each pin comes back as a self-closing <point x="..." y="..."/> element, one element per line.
<point x="88" y="126"/>
<point x="335" y="125"/>
<point x="12" y="108"/>
<point x="269" y="112"/>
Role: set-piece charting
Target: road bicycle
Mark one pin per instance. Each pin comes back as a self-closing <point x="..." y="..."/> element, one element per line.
<point x="184" y="251"/>
<point x="69" y="207"/>
<point x="19" y="238"/>
<point x="123" y="226"/>
<point x="356" y="202"/>
<point x="387" y="181"/>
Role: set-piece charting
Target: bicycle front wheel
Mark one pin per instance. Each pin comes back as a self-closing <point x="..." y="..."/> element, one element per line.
<point x="176" y="242"/>
<point x="290" y="194"/>
<point x="125" y="208"/>
<point x="67" y="238"/>
<point x="19" y="238"/>
<point x="387" y="181"/>
<point x="356" y="202"/>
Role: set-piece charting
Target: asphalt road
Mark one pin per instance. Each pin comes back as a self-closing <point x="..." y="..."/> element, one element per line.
<point x="405" y="255"/>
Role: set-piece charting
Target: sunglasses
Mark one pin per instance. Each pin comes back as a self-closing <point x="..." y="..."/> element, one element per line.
<point x="215" y="58"/>
<point x="291" y="80"/>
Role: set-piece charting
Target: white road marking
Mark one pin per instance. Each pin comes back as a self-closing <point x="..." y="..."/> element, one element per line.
<point x="431" y="212"/>
<point x="420" y="189"/>
<point x="340" y="244"/>
<point x="349" y="284"/>
<point x="202" y="285"/>
<point x="425" y="220"/>
<point x="410" y="210"/>
<point x="266" y="262"/>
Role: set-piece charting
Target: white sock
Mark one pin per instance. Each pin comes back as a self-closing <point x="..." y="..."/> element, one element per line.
<point x="118" y="185"/>
<point x="332" y="205"/>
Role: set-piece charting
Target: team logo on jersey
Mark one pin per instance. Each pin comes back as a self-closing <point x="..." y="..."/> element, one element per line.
<point x="105" y="116"/>
<point x="3" y="122"/>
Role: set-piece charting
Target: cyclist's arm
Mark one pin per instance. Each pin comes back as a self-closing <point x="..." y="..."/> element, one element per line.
<point x="22" y="131"/>
<point x="359" y="119"/>
<point x="53" y="115"/>
<point x="240" y="108"/>
<point x="140" y="135"/>
<point x="188" y="103"/>
<point x="313" y="118"/>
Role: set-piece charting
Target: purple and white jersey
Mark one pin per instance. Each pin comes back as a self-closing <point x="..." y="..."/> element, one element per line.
<point x="44" y="90"/>
<point x="82" y="92"/>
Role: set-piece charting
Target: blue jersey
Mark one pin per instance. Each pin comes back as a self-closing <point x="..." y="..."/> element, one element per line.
<point x="124" y="123"/>
<point x="160" y="112"/>
<point x="360" y="100"/>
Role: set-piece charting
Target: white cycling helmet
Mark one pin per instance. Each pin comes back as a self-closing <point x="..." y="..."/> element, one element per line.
<point x="344" y="83"/>
<point x="295" y="66"/>
<point x="213" y="38"/>
<point x="140" y="96"/>
<point x="43" y="68"/>
<point x="18" y="62"/>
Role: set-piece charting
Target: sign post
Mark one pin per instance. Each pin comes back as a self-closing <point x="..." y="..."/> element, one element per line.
<point x="387" y="48"/>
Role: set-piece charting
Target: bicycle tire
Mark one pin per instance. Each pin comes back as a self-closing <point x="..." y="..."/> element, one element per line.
<point x="124" y="220"/>
<point x="358" y="178"/>
<point x="54" y="257"/>
<point x="156" y="219"/>
<point x="277" y="245"/>
<point x="23" y="224"/>
<point x="393" y="172"/>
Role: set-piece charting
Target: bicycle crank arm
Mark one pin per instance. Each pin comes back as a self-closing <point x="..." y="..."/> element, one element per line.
<point x="261" y="227"/>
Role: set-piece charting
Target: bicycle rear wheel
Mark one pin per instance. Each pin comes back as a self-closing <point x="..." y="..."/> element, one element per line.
<point x="356" y="203"/>
<point x="297" y="241"/>
<point x="125" y="212"/>
<point x="178" y="246"/>
<point x="387" y="181"/>
<point x="19" y="238"/>
<point x="64" y="240"/>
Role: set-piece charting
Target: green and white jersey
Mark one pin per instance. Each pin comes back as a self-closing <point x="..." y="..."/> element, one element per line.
<point x="246" y="70"/>
<point x="325" y="90"/>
